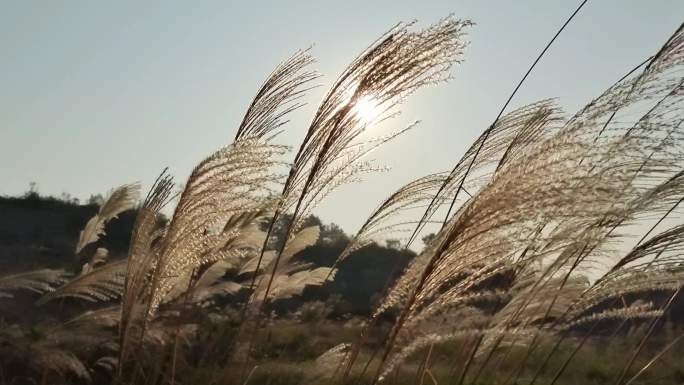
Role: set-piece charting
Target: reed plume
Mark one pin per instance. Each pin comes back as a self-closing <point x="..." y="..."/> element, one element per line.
<point x="120" y="199"/>
<point x="102" y="284"/>
<point x="215" y="214"/>
<point x="557" y="193"/>
<point x="331" y="153"/>
<point x="37" y="281"/>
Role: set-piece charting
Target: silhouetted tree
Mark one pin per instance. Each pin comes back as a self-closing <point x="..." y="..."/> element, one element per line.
<point x="428" y="238"/>
<point x="393" y="244"/>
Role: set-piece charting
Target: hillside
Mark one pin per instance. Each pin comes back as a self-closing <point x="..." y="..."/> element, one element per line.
<point x="41" y="232"/>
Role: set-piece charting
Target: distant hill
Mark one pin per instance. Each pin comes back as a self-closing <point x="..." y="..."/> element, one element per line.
<point x="39" y="232"/>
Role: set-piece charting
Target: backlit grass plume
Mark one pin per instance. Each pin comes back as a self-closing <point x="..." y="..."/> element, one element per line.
<point x="101" y="284"/>
<point x="213" y="219"/>
<point x="549" y="228"/>
<point x="37" y="281"/>
<point x="368" y="91"/>
<point x="119" y="200"/>
<point x="393" y="214"/>
<point x="277" y="97"/>
<point x="558" y="191"/>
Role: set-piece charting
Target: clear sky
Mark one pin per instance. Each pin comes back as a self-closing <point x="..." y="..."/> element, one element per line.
<point x="97" y="94"/>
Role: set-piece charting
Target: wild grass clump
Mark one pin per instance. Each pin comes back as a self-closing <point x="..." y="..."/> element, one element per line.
<point x="531" y="275"/>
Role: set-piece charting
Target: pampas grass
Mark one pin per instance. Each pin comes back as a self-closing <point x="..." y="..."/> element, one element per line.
<point x="38" y="281"/>
<point x="533" y="256"/>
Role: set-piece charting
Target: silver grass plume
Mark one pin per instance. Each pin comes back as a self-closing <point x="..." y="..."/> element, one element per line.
<point x="241" y="241"/>
<point x="98" y="258"/>
<point x="655" y="265"/>
<point x="142" y="260"/>
<point x="102" y="284"/>
<point x="291" y="277"/>
<point x="594" y="172"/>
<point x="38" y="281"/>
<point x="105" y="317"/>
<point x="120" y="199"/>
<point x="226" y="185"/>
<point x="233" y="181"/>
<point x="506" y="138"/>
<point x="63" y="350"/>
<point x="277" y="97"/>
<point x="397" y="64"/>
<point x="393" y="214"/>
<point x="526" y="124"/>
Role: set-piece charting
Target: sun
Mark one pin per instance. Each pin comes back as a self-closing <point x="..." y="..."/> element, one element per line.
<point x="366" y="108"/>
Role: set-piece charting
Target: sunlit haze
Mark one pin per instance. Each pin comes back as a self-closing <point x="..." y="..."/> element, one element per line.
<point x="94" y="95"/>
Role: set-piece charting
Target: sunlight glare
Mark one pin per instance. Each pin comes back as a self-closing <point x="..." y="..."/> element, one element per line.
<point x="366" y="108"/>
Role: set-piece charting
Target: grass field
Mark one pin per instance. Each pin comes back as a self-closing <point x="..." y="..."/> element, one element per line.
<point x="552" y="250"/>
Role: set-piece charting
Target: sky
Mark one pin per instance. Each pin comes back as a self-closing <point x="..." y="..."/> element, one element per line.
<point x="97" y="94"/>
